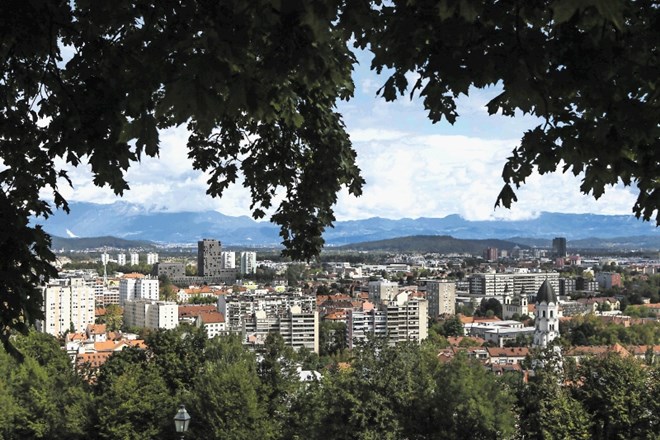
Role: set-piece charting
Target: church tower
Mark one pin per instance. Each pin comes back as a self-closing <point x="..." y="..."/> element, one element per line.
<point x="547" y="319"/>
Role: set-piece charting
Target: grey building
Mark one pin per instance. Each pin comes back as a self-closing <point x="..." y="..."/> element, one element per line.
<point x="209" y="257"/>
<point x="441" y="297"/>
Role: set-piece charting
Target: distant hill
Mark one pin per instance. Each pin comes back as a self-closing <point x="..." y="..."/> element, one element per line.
<point x="431" y="244"/>
<point x="129" y="221"/>
<point x="79" y="244"/>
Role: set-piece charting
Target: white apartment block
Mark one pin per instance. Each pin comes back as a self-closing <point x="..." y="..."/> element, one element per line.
<point x="152" y="258"/>
<point x="121" y="259"/>
<point x="248" y="262"/>
<point x="383" y="290"/>
<point x="151" y="314"/>
<point x="361" y="324"/>
<point x="293" y="316"/>
<point x="441" y="297"/>
<point x="67" y="303"/>
<point x="105" y="258"/>
<point x="404" y="318"/>
<point x="504" y="284"/>
<point x="407" y="319"/>
<point x="228" y="260"/>
<point x="135" y="259"/>
<point x="137" y="286"/>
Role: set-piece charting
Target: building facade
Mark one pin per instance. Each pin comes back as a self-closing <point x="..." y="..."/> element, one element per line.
<point x="150" y="314"/>
<point x="248" y="263"/>
<point x="228" y="260"/>
<point x="137" y="286"/>
<point x="68" y="305"/>
<point x="559" y="247"/>
<point x="441" y="297"/>
<point x="209" y="262"/>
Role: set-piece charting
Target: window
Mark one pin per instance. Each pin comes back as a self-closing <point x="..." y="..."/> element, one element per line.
<point x="544" y="313"/>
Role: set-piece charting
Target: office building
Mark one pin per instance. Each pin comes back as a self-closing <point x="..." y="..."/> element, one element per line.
<point x="559" y="247"/>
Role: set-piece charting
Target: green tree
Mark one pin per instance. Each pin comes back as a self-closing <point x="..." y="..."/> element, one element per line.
<point x="453" y="327"/>
<point x="619" y="394"/>
<point x="113" y="318"/>
<point x="286" y="65"/>
<point x="332" y="338"/>
<point x="179" y="353"/>
<point x="136" y="405"/>
<point x="225" y="399"/>
<point x="41" y="396"/>
<point x="547" y="408"/>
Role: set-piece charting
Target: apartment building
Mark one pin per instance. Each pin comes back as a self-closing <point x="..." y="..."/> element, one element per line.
<point x="441" y="297"/>
<point x="209" y="261"/>
<point x="383" y="290"/>
<point x="404" y="318"/>
<point x="121" y="259"/>
<point x="294" y="316"/>
<point x="152" y="258"/>
<point x="68" y="305"/>
<point x="137" y="286"/>
<point x="501" y="284"/>
<point x="135" y="259"/>
<point x="248" y="262"/>
<point x="228" y="260"/>
<point x="151" y="314"/>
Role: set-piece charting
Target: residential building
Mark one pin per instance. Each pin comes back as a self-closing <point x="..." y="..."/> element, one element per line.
<point x="407" y="318"/>
<point x="137" y="286"/>
<point x="209" y="261"/>
<point x="135" y="259"/>
<point x="105" y="258"/>
<point x="67" y="305"/>
<point x="567" y="286"/>
<point x="121" y="259"/>
<point x="152" y="258"/>
<point x="171" y="270"/>
<point x="294" y="316"/>
<point x="383" y="290"/>
<point x="441" y="297"/>
<point x="500" y="284"/>
<point x="490" y="254"/>
<point x="607" y="280"/>
<point x="228" y="260"/>
<point x="248" y="263"/>
<point x="151" y="314"/>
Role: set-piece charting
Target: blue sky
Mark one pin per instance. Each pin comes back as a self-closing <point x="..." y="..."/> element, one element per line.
<point x="413" y="168"/>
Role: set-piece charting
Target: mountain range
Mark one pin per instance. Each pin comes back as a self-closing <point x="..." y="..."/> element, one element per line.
<point x="130" y="221"/>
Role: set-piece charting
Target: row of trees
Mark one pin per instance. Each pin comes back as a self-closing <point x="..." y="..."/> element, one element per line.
<point x="382" y="393"/>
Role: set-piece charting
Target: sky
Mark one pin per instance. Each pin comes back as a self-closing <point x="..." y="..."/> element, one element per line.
<point x="412" y="168"/>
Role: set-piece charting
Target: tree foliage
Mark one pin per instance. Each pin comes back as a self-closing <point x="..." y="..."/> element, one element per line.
<point x="256" y="85"/>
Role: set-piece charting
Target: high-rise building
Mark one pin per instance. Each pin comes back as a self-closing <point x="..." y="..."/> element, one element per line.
<point x="228" y="260"/>
<point x="152" y="258"/>
<point x="105" y="258"/>
<point x="209" y="262"/>
<point x="67" y="305"/>
<point x="136" y="286"/>
<point x="499" y="284"/>
<point x="490" y="254"/>
<point x="151" y="314"/>
<point x="383" y="290"/>
<point x="135" y="259"/>
<point x="121" y="259"/>
<point x="441" y="296"/>
<point x="559" y="246"/>
<point x="248" y="262"/>
<point x="254" y="316"/>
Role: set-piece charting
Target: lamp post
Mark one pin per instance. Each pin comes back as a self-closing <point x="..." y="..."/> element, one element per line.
<point x="181" y="421"/>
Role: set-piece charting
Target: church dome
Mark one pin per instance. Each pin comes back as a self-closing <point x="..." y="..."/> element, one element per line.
<point x="546" y="293"/>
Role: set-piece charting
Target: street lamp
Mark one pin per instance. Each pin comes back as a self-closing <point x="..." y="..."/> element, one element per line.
<point x="181" y="421"/>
